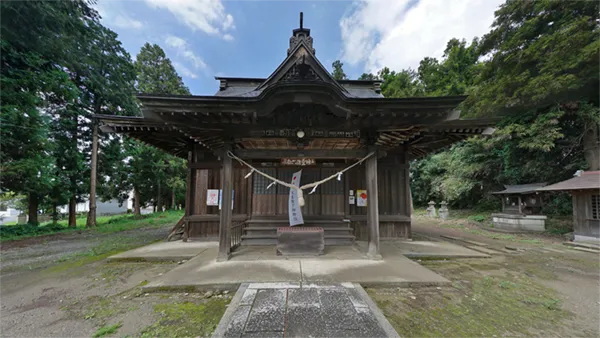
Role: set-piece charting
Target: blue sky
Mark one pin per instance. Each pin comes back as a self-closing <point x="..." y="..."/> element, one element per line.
<point x="207" y="38"/>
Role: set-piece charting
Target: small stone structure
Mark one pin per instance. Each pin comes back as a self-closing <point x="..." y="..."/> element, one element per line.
<point x="521" y="205"/>
<point x="300" y="241"/>
<point x="431" y="210"/>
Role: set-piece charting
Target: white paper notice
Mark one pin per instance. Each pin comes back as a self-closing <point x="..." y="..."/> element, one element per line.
<point x="212" y="197"/>
<point x="295" y="212"/>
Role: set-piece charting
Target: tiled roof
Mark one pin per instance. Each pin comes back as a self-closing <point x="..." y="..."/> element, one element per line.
<point x="520" y="189"/>
<point x="587" y="180"/>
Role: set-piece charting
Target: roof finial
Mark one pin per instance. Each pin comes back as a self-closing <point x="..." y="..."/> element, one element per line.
<point x="301" y="20"/>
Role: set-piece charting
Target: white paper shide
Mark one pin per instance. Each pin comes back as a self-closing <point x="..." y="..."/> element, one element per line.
<point x="295" y="212"/>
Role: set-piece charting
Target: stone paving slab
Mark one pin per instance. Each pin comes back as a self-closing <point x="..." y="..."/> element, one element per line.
<point x="320" y="311"/>
<point x="167" y="251"/>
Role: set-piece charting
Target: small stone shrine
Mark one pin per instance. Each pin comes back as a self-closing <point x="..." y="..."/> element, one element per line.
<point x="521" y="207"/>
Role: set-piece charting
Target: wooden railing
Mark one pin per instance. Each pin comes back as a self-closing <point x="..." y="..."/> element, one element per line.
<point x="236" y="231"/>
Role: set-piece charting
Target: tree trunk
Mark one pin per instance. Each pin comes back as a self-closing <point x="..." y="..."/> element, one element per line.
<point x="591" y="147"/>
<point x="158" y="199"/>
<point x="72" y="212"/>
<point x="136" y="203"/>
<point x="54" y="212"/>
<point x="33" y="209"/>
<point x="91" y="219"/>
<point x="173" y="206"/>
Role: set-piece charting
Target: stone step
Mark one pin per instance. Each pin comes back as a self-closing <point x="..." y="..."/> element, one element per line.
<point x="271" y="230"/>
<point x="468" y="241"/>
<point x="285" y="221"/>
<point x="271" y="239"/>
<point x="583" y="245"/>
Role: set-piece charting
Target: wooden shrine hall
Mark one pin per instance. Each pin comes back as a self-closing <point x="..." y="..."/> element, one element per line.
<point x="297" y="118"/>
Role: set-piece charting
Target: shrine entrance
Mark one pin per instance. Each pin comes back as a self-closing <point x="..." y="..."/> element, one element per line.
<point x="299" y="118"/>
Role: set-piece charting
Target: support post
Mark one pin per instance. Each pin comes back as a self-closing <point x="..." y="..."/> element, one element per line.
<point x="189" y="193"/>
<point x="520" y="211"/>
<point x="226" y="204"/>
<point x="91" y="218"/>
<point x="372" y="207"/>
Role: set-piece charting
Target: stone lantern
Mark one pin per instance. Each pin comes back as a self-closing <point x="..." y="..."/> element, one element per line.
<point x="444" y="210"/>
<point x="431" y="210"/>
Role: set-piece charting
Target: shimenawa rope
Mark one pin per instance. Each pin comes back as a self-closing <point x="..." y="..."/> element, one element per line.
<point x="313" y="185"/>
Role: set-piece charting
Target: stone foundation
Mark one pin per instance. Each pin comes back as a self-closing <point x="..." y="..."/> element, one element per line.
<point x="534" y="223"/>
<point x="587" y="239"/>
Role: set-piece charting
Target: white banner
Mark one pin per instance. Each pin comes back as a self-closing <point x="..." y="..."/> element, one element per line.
<point x="295" y="212"/>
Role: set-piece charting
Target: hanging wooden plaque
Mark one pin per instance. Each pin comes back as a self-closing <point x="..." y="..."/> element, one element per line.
<point x="298" y="161"/>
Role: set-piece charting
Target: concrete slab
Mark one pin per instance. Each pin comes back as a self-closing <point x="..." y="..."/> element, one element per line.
<point x="204" y="273"/>
<point x="391" y="271"/>
<point x="165" y="251"/>
<point x="426" y="249"/>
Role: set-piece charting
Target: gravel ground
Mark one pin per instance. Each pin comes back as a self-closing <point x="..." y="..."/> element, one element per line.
<point x="40" y="302"/>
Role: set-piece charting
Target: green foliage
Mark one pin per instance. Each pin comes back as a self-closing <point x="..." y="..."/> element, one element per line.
<point x="187" y="319"/>
<point x="338" y="71"/>
<point x="540" y="78"/>
<point x="478" y="218"/>
<point x="107" y="330"/>
<point x="106" y="224"/>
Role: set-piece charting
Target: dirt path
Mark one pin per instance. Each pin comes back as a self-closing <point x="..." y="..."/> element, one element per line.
<point x="60" y="286"/>
<point x="40" y="252"/>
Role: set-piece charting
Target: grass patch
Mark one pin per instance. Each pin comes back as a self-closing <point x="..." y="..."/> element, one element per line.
<point x="107" y="330"/>
<point x="106" y="224"/>
<point x="187" y="319"/>
<point x="476" y="306"/>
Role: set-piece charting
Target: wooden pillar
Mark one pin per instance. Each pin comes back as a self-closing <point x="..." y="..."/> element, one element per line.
<point x="372" y="207"/>
<point x="226" y="213"/>
<point x="520" y="211"/>
<point x="91" y="219"/>
<point x="190" y="192"/>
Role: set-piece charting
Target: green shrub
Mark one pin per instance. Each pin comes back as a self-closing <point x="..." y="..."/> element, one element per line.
<point x="478" y="218"/>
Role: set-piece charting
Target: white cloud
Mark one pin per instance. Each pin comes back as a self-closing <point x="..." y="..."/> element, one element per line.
<point x="123" y="21"/>
<point x="208" y="16"/>
<point x="175" y="41"/>
<point x="228" y="37"/>
<point x="393" y="34"/>
<point x="184" y="71"/>
<point x="183" y="50"/>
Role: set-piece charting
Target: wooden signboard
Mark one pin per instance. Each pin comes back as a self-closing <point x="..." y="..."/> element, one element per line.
<point x="298" y="161"/>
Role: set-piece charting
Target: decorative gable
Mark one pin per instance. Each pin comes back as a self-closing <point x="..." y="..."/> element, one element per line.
<point x="300" y="72"/>
<point x="301" y="64"/>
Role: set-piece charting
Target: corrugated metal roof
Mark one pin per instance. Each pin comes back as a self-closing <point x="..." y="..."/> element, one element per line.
<point x="520" y="189"/>
<point x="587" y="180"/>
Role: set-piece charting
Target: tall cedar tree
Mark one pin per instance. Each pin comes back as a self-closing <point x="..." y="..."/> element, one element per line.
<point x="35" y="38"/>
<point x="155" y="176"/>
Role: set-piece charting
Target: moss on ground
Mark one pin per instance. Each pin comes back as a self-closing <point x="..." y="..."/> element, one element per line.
<point x="187" y="319"/>
<point x="107" y="330"/>
<point x="476" y="305"/>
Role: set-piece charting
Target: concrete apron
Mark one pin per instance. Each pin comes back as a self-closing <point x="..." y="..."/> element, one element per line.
<point x="310" y="310"/>
<point x="203" y="272"/>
